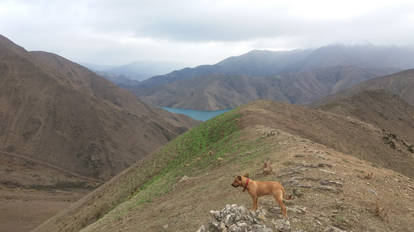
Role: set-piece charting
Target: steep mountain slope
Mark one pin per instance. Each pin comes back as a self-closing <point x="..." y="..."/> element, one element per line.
<point x="221" y="91"/>
<point x="58" y="112"/>
<point x="174" y="188"/>
<point x="299" y="76"/>
<point x="380" y="108"/>
<point x="401" y="84"/>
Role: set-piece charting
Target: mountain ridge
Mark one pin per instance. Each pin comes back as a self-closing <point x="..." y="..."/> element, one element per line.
<point x="399" y="83"/>
<point x="306" y="147"/>
<point x="328" y="69"/>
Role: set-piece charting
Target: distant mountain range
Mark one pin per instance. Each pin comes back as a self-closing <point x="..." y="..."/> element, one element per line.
<point x="299" y="76"/>
<point x="400" y="84"/>
<point x="136" y="71"/>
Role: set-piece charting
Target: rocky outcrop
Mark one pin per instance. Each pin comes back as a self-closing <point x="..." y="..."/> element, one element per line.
<point x="234" y="218"/>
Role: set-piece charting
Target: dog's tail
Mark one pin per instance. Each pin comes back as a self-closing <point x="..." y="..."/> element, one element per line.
<point x="286" y="197"/>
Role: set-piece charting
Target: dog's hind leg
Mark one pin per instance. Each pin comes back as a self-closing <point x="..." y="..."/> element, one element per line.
<point x="279" y="198"/>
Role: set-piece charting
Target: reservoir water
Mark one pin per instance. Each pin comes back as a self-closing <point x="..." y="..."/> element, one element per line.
<point x="196" y="114"/>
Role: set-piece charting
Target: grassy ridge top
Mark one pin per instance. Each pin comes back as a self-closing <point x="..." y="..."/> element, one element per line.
<point x="146" y="179"/>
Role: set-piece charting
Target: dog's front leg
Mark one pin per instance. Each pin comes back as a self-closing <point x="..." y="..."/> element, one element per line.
<point x="254" y="198"/>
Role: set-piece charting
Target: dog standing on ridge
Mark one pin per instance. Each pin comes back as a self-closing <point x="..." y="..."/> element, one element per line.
<point x="257" y="189"/>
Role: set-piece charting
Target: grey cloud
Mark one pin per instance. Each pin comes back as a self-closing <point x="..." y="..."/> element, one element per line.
<point x="204" y="31"/>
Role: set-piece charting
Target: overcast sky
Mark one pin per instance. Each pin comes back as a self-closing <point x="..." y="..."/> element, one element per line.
<point x="198" y="31"/>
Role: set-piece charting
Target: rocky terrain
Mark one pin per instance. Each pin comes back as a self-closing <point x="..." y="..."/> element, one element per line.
<point x="338" y="169"/>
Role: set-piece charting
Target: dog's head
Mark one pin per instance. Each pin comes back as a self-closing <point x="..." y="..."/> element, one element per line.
<point x="238" y="180"/>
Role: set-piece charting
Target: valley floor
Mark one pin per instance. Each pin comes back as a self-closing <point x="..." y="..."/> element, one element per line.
<point x="24" y="209"/>
<point x="32" y="191"/>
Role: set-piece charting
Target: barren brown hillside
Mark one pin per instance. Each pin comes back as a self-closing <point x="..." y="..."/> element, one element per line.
<point x="337" y="167"/>
<point x="345" y="134"/>
<point x="381" y="108"/>
<point x="400" y="84"/>
<point x="297" y="76"/>
<point x="56" y="111"/>
<point x="63" y="131"/>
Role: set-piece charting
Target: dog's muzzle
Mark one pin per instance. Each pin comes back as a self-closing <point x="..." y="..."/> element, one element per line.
<point x="234" y="185"/>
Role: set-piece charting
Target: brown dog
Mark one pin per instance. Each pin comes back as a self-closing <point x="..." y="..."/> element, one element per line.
<point x="257" y="189"/>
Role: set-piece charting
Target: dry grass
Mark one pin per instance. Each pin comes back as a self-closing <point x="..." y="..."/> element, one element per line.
<point x="380" y="212"/>
<point x="335" y="194"/>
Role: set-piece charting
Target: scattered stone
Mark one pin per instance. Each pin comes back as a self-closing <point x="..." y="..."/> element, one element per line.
<point x="281" y="225"/>
<point x="234" y="218"/>
<point x="305" y="178"/>
<point x="330" y="182"/>
<point x="260" y="228"/>
<point x="372" y="191"/>
<point x="322" y="165"/>
<point x="202" y="229"/>
<point x="297" y="209"/>
<point x="297" y="192"/>
<point x="183" y="179"/>
<point x="289" y="173"/>
<point x="216" y="215"/>
<point x="327" y="188"/>
<point x="267" y="132"/>
<point x="369" y="176"/>
<point x="333" y="229"/>
<point x="214" y="227"/>
<point x="326" y="171"/>
<point x="320" y="156"/>
<point x="220" y="159"/>
<point x="290" y="182"/>
<point x="299" y="156"/>
<point x="165" y="226"/>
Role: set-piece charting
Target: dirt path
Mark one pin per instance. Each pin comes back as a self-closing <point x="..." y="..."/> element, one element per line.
<point x="49" y="166"/>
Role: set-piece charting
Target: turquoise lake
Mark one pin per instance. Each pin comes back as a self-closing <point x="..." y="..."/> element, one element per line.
<point x="196" y="114"/>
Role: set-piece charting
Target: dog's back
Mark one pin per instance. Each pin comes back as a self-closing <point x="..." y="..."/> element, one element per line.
<point x="268" y="187"/>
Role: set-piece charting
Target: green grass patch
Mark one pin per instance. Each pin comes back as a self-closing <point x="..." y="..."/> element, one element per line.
<point x="191" y="150"/>
<point x="191" y="154"/>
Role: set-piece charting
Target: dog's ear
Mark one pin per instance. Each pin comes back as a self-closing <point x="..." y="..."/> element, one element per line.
<point x="246" y="175"/>
<point x="239" y="178"/>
